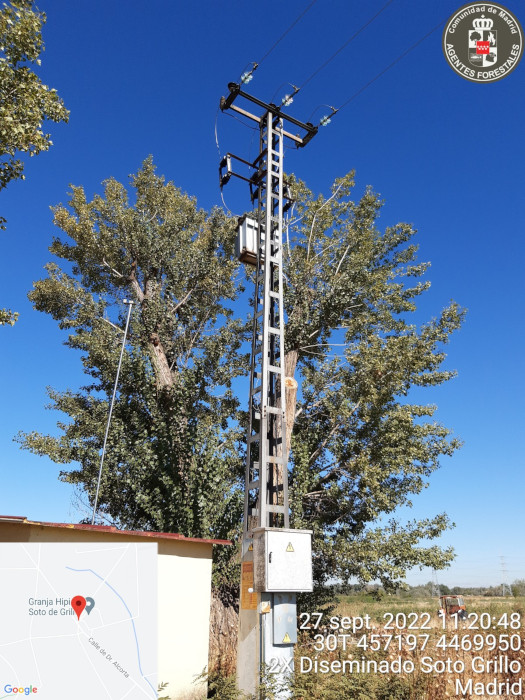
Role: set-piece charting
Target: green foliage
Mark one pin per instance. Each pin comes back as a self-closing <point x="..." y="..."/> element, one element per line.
<point x="220" y="687"/>
<point x="7" y="317"/>
<point x="173" y="463"/>
<point x="366" y="686"/>
<point x="359" y="449"/>
<point x="163" y="686"/>
<point x="518" y="587"/>
<point x="25" y="102"/>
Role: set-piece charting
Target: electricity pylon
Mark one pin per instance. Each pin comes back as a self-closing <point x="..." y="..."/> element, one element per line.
<point x="267" y="611"/>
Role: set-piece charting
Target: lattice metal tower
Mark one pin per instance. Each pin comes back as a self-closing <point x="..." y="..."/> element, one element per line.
<point x="266" y="481"/>
<point x="505" y="586"/>
<point x="266" y="478"/>
<point x="267" y="611"/>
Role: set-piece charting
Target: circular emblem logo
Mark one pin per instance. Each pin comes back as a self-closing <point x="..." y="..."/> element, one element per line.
<point x="483" y="42"/>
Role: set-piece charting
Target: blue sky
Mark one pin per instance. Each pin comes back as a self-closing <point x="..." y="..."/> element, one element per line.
<point x="445" y="154"/>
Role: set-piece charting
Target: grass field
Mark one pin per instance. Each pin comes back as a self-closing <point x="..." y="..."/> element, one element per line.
<point x="399" y="648"/>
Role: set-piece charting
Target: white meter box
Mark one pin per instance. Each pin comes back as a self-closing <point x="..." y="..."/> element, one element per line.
<point x="282" y="560"/>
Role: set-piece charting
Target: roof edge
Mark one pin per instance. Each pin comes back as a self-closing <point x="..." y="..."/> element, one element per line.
<point x="23" y="520"/>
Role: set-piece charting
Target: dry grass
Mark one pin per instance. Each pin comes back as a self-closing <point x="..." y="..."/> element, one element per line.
<point x="416" y="684"/>
<point x="222" y="655"/>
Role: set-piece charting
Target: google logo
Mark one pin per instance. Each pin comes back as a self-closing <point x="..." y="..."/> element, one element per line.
<point x="23" y="691"/>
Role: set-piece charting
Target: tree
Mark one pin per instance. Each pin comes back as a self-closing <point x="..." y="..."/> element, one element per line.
<point x="25" y="102"/>
<point x="172" y="464"/>
<point x="359" y="448"/>
<point x="7" y="317"/>
<point x="518" y="587"/>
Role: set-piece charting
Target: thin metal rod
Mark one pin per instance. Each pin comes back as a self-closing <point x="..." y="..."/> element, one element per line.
<point x="130" y="304"/>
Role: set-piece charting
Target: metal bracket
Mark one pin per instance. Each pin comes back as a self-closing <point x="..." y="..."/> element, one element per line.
<point x="226" y="172"/>
<point x="274" y="110"/>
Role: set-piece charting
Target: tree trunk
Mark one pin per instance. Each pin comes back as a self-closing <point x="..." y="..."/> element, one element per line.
<point x="157" y="353"/>
<point x="290" y="363"/>
<point x="160" y="362"/>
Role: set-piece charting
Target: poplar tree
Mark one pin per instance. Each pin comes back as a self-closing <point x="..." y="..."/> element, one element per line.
<point x="359" y="447"/>
<point x="25" y="102"/>
<point x="172" y="461"/>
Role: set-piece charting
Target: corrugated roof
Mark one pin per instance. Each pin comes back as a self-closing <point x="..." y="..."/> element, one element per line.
<point x="23" y="520"/>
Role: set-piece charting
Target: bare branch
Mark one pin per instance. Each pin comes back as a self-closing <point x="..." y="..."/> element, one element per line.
<point x="135" y="284"/>
<point x="323" y="251"/>
<point x="342" y="258"/>
<point x="184" y="300"/>
<point x="315" y="217"/>
<point x="319" y="345"/>
<point x="324" y="443"/>
<point x="155" y="214"/>
<point x="318" y="402"/>
<point x="321" y="447"/>
<point x="292" y="223"/>
<point x="115" y="272"/>
<point x="112" y="324"/>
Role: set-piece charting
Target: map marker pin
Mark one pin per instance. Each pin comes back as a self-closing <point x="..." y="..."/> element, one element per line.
<point x="78" y="603"/>
<point x="90" y="604"/>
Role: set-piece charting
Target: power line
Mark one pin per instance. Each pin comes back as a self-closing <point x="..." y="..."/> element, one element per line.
<point x="356" y="34"/>
<point x="326" y="120"/>
<point x="247" y="75"/>
<point x="391" y="65"/>
<point x="287" y="31"/>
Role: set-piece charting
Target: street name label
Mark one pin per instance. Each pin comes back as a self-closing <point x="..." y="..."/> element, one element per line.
<point x="78" y="620"/>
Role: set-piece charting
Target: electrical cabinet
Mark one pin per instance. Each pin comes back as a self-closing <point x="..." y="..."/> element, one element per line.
<point x="246" y="241"/>
<point x="282" y="560"/>
<point x="284" y="618"/>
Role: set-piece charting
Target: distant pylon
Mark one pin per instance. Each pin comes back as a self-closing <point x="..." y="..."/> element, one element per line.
<point x="505" y="587"/>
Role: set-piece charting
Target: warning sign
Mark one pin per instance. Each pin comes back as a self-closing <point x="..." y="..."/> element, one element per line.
<point x="287" y="639"/>
<point x="290" y="547"/>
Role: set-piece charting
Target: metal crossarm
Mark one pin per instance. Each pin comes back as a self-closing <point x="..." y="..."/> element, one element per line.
<point x="269" y="108"/>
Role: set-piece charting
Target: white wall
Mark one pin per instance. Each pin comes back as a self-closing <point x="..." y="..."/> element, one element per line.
<point x="184" y="620"/>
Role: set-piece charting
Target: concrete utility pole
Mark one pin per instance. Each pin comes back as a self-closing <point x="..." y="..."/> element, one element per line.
<point x="276" y="560"/>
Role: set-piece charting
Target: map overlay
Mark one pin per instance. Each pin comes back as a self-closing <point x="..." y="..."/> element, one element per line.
<point x="78" y="621"/>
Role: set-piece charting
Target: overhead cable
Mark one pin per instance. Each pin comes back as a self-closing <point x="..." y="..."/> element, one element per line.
<point x="354" y="35"/>
<point x="287" y="31"/>
<point x="391" y="65"/>
<point x="247" y="75"/>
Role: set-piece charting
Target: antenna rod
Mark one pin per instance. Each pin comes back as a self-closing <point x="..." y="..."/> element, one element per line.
<point x="130" y="304"/>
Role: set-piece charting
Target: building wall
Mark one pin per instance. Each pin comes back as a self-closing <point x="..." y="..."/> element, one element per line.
<point x="184" y="596"/>
<point x="184" y="620"/>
